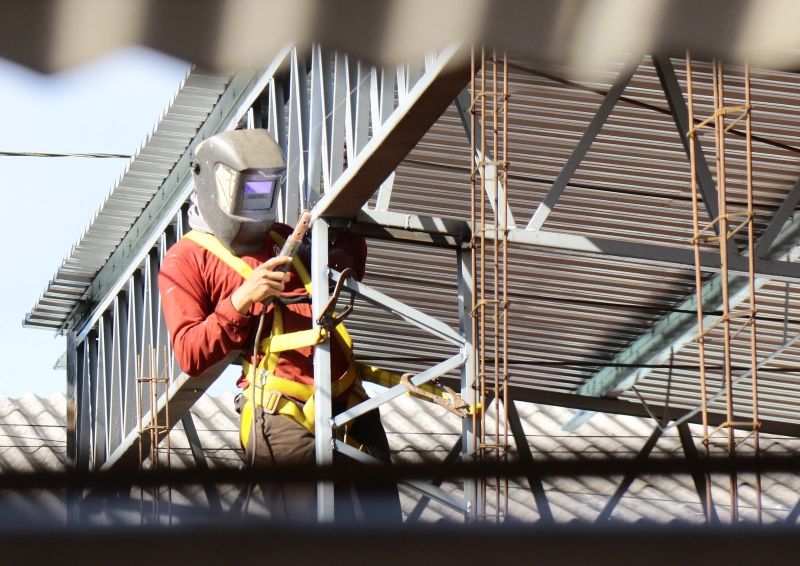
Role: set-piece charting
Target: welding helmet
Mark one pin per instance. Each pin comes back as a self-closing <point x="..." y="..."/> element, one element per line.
<point x="237" y="177"/>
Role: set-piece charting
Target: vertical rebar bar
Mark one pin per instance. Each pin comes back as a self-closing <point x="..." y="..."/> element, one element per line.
<point x="488" y="167"/>
<point x="482" y="303"/>
<point x="751" y="282"/>
<point x="719" y="113"/>
<point x="473" y="260"/>
<point x="504" y="207"/>
<point x="692" y="134"/>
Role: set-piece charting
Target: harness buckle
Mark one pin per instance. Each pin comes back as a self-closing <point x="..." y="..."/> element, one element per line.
<point x="328" y="319"/>
<point x="455" y="404"/>
<point x="273" y="402"/>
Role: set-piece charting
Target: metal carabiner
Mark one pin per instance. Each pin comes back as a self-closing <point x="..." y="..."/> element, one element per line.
<point x="328" y="319"/>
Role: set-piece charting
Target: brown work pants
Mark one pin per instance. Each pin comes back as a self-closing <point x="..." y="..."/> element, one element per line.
<point x="282" y="441"/>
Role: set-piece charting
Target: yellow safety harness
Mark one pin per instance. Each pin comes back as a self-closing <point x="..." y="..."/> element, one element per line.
<point x="275" y="394"/>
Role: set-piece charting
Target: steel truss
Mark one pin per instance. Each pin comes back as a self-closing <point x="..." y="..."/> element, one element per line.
<point x="775" y="249"/>
<point x="344" y="127"/>
<point x="335" y="119"/>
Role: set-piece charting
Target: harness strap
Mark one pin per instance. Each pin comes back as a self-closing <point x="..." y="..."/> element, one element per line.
<point x="390" y="379"/>
<point x="269" y="388"/>
<point x="273" y="393"/>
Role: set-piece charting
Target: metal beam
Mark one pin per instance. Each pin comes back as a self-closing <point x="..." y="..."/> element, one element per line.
<point x="463" y="103"/>
<point x="676" y="329"/>
<point x="621" y="407"/>
<point x="784" y="212"/>
<point x="452" y="457"/>
<point x="680" y="113"/>
<point x="581" y="148"/>
<point x="652" y="253"/>
<point x="199" y="455"/>
<point x="690" y="451"/>
<point x="428" y="489"/>
<point x="393" y="392"/>
<point x="182" y="394"/>
<point x="643" y="454"/>
<point x="426" y="101"/>
<point x="446" y="232"/>
<point x="525" y="455"/>
<point x="407" y="313"/>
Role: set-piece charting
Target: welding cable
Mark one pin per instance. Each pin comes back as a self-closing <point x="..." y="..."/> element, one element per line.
<point x="252" y="402"/>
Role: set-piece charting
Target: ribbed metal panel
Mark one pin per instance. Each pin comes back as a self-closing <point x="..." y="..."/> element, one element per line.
<point x="572" y="312"/>
<point x="145" y="174"/>
<point x="34" y="441"/>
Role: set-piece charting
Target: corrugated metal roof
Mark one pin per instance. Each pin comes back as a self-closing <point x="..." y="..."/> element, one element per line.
<point x="33" y="433"/>
<point x="145" y="174"/>
<point x="417" y="432"/>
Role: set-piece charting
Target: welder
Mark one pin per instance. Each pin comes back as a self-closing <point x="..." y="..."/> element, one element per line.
<point x="216" y="282"/>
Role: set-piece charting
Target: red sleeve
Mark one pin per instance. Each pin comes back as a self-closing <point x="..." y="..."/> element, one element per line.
<point x="202" y="332"/>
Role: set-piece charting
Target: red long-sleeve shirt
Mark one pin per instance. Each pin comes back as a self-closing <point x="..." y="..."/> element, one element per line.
<point x="196" y="288"/>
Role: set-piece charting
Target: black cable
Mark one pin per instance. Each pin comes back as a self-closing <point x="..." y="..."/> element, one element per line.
<point x="82" y="155"/>
<point x="17" y="436"/>
<point x="641" y="104"/>
<point x="584" y="364"/>
<point x="576" y="184"/>
<point x="34" y="425"/>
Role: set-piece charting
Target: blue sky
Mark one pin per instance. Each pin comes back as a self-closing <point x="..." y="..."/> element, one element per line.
<point x="106" y="106"/>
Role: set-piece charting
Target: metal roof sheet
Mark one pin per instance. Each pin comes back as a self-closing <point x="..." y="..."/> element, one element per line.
<point x="33" y="433"/>
<point x="145" y="174"/>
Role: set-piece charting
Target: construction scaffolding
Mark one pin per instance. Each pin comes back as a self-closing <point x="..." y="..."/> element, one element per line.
<point x="722" y="231"/>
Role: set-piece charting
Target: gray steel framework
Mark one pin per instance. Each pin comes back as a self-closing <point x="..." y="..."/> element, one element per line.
<point x="345" y="127"/>
<point x="329" y="102"/>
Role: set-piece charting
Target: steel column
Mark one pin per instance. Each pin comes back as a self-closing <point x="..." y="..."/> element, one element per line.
<point x="468" y="392"/>
<point x="322" y="370"/>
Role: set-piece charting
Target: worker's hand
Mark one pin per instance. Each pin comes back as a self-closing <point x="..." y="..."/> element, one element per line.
<point x="263" y="282"/>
